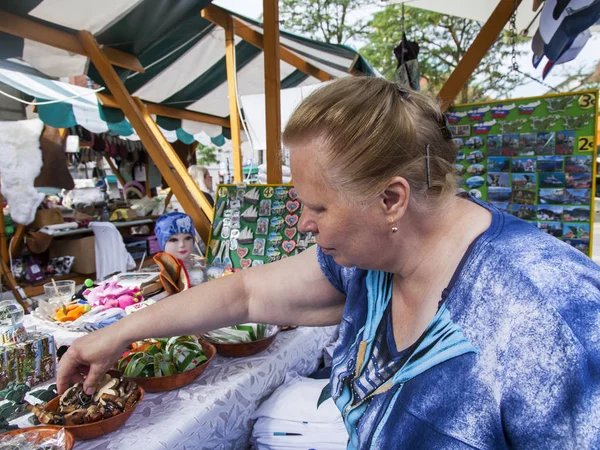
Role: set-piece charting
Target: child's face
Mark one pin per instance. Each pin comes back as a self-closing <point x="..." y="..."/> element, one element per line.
<point x="180" y="245"/>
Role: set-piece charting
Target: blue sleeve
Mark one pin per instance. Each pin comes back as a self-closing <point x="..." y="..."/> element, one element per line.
<point x="337" y="275"/>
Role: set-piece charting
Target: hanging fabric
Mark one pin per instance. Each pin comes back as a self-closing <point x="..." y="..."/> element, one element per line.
<point x="407" y="70"/>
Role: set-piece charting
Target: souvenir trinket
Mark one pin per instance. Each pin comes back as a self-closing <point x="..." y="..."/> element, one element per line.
<point x="291" y="220"/>
<point x="276" y="223"/>
<point x="273" y="254"/>
<point x="275" y="239"/>
<point x="262" y="226"/>
<point x="258" y="249"/>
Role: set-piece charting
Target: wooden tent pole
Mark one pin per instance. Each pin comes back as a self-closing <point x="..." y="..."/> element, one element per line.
<point x="272" y="90"/>
<point x="220" y="17"/>
<point x="480" y="46"/>
<point x="234" y="117"/>
<point x="166" y="160"/>
<point x="115" y="170"/>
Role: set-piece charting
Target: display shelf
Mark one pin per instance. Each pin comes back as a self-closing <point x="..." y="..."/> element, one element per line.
<point x="35" y="289"/>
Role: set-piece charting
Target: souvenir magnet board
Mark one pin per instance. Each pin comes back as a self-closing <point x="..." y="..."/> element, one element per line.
<point x="534" y="158"/>
<point x="256" y="224"/>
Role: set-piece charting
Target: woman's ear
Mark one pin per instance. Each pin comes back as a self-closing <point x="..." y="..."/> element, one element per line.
<point x="395" y="198"/>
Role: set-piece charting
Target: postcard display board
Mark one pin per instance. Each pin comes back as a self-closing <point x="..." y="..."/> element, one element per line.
<point x="533" y="158"/>
<point x="256" y="224"/>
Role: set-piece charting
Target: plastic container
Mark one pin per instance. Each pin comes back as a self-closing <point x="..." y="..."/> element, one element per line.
<point x="60" y="292"/>
<point x="11" y="322"/>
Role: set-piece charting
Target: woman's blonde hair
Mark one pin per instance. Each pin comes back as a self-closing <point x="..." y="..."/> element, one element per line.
<point x="374" y="130"/>
<point x="198" y="173"/>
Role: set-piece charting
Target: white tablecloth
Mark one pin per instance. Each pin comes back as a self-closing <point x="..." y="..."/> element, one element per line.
<point x="214" y="411"/>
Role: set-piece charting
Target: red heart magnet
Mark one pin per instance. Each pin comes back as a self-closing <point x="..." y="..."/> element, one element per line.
<point x="292" y="206"/>
<point x="293" y="193"/>
<point x="288" y="246"/>
<point x="291" y="220"/>
<point x="290" y="232"/>
<point x="242" y="252"/>
<point x="245" y="263"/>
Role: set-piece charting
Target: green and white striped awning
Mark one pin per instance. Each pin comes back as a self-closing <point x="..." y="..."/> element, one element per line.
<point x="64" y="105"/>
<point x="183" y="54"/>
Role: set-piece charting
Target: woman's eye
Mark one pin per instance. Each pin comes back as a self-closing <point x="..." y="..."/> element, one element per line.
<point x="189" y="238"/>
<point x="172" y="240"/>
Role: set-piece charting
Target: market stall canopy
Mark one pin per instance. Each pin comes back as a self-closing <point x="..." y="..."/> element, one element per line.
<point x="479" y="10"/>
<point x="254" y="108"/>
<point x="182" y="55"/>
<point x="64" y="105"/>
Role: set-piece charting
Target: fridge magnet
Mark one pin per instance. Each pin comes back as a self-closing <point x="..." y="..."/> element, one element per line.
<point x="576" y="214"/>
<point x="291" y="220"/>
<point x="527" y="144"/>
<point x="265" y="208"/>
<point x="565" y="142"/>
<point x="549" y="212"/>
<point x="268" y="192"/>
<point x="221" y="208"/>
<point x="558" y="104"/>
<point x="277" y="208"/>
<point x="250" y="214"/>
<point x="276" y="223"/>
<point x="252" y="196"/>
<point x="281" y="192"/>
<point x="552" y="180"/>
<point x="498" y="164"/>
<point x="501" y="111"/>
<point x="510" y="145"/>
<point x="477" y="114"/>
<point x="246" y="236"/>
<point x="258" y="249"/>
<point x="549" y="164"/>
<point x="494" y="145"/>
<point x="292" y="206"/>
<point x="484" y="127"/>
<point x="579" y="180"/>
<point x="545" y="143"/>
<point x="288" y="246"/>
<point x="273" y="254"/>
<point x="529" y="108"/>
<point x="455" y="116"/>
<point x="498" y="179"/>
<point x="275" y="239"/>
<point x="262" y="226"/>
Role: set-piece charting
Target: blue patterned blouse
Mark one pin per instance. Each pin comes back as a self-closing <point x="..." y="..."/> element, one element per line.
<point x="511" y="360"/>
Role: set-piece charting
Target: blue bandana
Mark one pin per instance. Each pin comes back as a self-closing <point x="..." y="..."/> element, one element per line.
<point x="170" y="224"/>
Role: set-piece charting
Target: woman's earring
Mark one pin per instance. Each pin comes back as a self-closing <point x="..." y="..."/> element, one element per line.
<point x="394" y="228"/>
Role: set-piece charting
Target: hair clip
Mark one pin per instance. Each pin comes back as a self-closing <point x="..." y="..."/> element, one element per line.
<point x="445" y="128"/>
<point x="427" y="163"/>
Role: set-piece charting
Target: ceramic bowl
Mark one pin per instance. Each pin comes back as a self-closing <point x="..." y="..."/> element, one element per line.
<point x="175" y="381"/>
<point x="241" y="349"/>
<point x="43" y="432"/>
<point x="94" y="429"/>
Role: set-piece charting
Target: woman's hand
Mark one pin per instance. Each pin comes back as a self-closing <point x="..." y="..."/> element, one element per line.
<point x="89" y="358"/>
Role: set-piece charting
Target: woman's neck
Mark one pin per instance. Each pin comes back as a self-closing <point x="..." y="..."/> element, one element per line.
<point x="433" y="243"/>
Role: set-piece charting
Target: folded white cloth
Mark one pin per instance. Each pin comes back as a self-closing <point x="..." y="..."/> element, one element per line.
<point x="290" y="418"/>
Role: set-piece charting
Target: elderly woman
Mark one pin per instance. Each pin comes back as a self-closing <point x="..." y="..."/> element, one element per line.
<point x="461" y="326"/>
